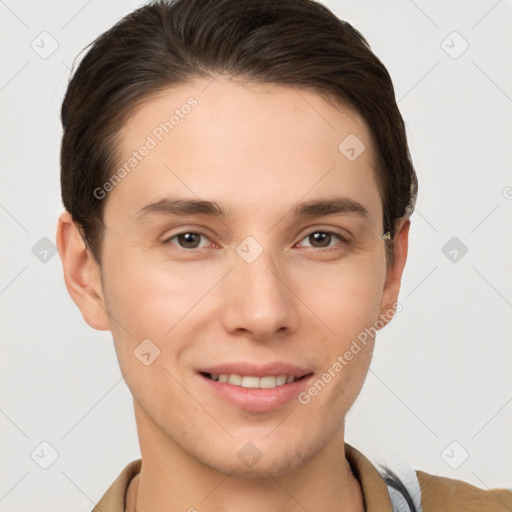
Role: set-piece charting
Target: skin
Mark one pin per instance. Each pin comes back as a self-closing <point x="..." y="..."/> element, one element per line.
<point x="257" y="150"/>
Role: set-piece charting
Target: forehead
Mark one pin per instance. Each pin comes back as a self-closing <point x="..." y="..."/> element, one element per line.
<point x="258" y="146"/>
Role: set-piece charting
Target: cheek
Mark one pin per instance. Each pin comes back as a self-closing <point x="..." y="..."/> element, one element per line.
<point x="158" y="301"/>
<point x="147" y="303"/>
<point x="344" y="298"/>
<point x="151" y="298"/>
<point x="344" y="302"/>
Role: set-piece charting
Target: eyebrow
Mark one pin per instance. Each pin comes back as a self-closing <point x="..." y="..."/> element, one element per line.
<point x="335" y="205"/>
<point x="308" y="209"/>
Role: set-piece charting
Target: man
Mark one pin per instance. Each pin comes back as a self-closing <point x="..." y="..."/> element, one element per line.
<point x="237" y="221"/>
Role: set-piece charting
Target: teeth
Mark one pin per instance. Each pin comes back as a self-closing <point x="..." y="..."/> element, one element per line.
<point x="250" y="381"/>
<point x="235" y="379"/>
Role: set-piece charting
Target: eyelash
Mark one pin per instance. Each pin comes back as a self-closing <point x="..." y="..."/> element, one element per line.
<point x="344" y="241"/>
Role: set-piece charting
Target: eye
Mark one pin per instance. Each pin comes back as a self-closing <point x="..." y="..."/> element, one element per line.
<point x="187" y="240"/>
<point x="323" y="239"/>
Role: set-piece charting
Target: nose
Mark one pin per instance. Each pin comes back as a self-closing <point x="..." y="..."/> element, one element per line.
<point x="259" y="299"/>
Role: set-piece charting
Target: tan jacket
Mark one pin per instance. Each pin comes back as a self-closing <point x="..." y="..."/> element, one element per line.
<point x="438" y="494"/>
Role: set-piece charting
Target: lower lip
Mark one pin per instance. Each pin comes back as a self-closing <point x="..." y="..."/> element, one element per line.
<point x="257" y="399"/>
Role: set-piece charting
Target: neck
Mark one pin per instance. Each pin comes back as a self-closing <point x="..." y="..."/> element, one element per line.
<point x="172" y="480"/>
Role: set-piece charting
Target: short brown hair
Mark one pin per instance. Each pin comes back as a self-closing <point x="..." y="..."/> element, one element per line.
<point x="298" y="43"/>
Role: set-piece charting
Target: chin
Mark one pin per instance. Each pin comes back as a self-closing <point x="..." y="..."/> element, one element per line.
<point x="276" y="465"/>
<point x="253" y="456"/>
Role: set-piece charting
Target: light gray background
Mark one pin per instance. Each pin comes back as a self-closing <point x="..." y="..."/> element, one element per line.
<point x="442" y="369"/>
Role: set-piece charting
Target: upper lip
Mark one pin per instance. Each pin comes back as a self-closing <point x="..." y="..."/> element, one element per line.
<point x="256" y="369"/>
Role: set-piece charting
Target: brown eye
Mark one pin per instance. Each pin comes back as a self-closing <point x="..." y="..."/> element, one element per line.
<point x="187" y="240"/>
<point x="322" y="239"/>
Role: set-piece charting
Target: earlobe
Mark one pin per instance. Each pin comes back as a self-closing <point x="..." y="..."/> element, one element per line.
<point x="81" y="274"/>
<point x="394" y="275"/>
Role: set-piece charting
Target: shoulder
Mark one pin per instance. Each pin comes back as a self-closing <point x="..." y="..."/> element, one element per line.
<point x="450" y="495"/>
<point x="114" y="499"/>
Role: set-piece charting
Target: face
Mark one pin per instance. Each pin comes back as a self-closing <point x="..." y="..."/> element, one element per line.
<point x="273" y="286"/>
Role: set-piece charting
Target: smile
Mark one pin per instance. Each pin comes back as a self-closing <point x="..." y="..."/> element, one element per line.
<point x="255" y="394"/>
<point x="251" y="381"/>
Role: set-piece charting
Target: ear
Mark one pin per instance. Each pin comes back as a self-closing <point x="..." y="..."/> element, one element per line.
<point x="394" y="272"/>
<point x="81" y="274"/>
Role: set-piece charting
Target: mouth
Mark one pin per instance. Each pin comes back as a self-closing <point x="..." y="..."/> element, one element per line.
<point x="253" y="393"/>
<point x="252" y="381"/>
